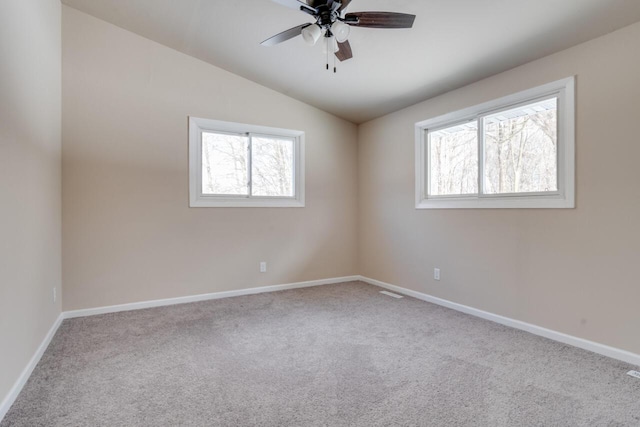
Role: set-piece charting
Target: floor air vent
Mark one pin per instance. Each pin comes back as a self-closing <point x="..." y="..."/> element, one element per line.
<point x="391" y="294"/>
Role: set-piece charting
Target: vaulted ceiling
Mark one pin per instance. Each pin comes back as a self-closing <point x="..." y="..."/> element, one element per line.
<point x="452" y="43"/>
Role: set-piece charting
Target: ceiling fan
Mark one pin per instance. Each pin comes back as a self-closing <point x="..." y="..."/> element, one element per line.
<point x="334" y="26"/>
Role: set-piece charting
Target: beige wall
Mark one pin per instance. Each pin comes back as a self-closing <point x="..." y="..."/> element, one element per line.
<point x="129" y="234"/>
<point x="29" y="180"/>
<point x="573" y="271"/>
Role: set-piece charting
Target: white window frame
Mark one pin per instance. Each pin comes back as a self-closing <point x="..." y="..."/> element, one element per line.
<point x="564" y="90"/>
<point x="197" y="126"/>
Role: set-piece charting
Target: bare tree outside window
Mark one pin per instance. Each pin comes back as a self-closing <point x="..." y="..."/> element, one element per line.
<point x="454" y="160"/>
<point x="224" y="164"/>
<point x="520" y="153"/>
<point x="521" y="149"/>
<point x="272" y="167"/>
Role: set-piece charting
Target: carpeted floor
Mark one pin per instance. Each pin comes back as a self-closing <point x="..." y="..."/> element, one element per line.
<point x="336" y="355"/>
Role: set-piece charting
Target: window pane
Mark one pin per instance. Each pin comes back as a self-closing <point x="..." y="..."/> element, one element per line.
<point x="453" y="159"/>
<point x="521" y="149"/>
<point x="272" y="167"/>
<point x="224" y="164"/>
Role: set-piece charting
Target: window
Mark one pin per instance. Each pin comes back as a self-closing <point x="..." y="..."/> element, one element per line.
<point x="237" y="165"/>
<point x="514" y="152"/>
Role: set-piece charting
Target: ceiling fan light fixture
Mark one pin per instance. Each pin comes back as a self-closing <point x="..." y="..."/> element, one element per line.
<point x="340" y="31"/>
<point x="330" y="45"/>
<point x="311" y="34"/>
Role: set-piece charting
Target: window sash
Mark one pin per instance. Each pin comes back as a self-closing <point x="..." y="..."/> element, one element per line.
<point x="293" y="170"/>
<point x="200" y="169"/>
<point x="427" y="182"/>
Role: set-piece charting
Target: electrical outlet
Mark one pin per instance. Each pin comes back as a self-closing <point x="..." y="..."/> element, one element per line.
<point x="55" y="294"/>
<point x="263" y="267"/>
<point x="436" y="273"/>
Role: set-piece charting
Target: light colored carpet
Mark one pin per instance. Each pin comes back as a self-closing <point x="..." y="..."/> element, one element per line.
<point x="336" y="355"/>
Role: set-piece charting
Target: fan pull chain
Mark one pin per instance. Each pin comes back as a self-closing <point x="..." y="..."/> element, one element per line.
<point x="327" y="43"/>
<point x="334" y="61"/>
<point x="330" y="47"/>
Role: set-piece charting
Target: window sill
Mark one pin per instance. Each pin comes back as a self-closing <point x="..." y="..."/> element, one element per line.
<point x="217" y="202"/>
<point x="514" y="202"/>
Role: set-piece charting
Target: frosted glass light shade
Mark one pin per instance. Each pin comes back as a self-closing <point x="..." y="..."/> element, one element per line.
<point x="341" y="31"/>
<point x="311" y="34"/>
<point x="330" y="45"/>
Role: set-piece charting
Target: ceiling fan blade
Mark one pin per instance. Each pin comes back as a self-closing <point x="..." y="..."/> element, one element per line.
<point x="379" y="19"/>
<point x="343" y="5"/>
<point x="297" y="5"/>
<point x="344" y="51"/>
<point x="284" y="36"/>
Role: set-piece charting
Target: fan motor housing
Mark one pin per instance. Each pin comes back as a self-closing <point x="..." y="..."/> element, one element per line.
<point x="324" y="15"/>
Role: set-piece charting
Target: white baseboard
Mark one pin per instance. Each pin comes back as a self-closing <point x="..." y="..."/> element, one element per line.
<point x="26" y="372"/>
<point x="605" y="350"/>
<point x="202" y="297"/>
<point x="602" y="349"/>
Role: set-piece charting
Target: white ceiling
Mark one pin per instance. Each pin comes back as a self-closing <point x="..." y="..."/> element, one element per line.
<point x="452" y="43"/>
